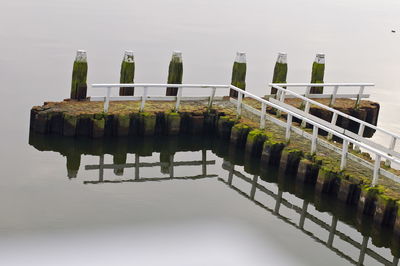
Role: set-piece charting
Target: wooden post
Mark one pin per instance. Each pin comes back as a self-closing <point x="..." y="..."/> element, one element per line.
<point x="175" y="73"/>
<point x="317" y="74"/>
<point x="127" y="74"/>
<point x="280" y="71"/>
<point x="238" y="74"/>
<point x="79" y="76"/>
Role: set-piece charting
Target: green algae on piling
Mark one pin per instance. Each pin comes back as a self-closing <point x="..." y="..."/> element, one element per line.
<point x="79" y="76"/>
<point x="175" y="73"/>
<point x="238" y="74"/>
<point x="127" y="74"/>
<point x="280" y="71"/>
<point x="317" y="74"/>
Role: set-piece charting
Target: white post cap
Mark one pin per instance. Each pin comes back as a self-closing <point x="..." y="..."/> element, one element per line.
<point x="240" y="57"/>
<point x="177" y="56"/>
<point x="282" y="58"/>
<point x="320" y="59"/>
<point x="128" y="56"/>
<point x="81" y="56"/>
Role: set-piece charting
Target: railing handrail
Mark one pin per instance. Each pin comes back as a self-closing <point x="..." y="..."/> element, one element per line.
<point x="316" y="125"/>
<point x="323" y="84"/>
<point x="155" y="85"/>
<point x="319" y="126"/>
<point x="311" y="101"/>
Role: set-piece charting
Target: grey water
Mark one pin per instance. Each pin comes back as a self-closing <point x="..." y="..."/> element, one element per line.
<point x="48" y="219"/>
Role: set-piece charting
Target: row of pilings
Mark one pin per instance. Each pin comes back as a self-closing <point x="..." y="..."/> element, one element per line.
<point x="175" y="73"/>
<point x="262" y="148"/>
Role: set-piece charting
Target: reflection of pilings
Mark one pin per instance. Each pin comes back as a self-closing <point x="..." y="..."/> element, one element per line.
<point x="101" y="168"/>
<point x="278" y="201"/>
<point x="253" y="187"/>
<point x="231" y="168"/>
<point x="171" y="166"/>
<point x="303" y="214"/>
<point x="363" y="249"/>
<point x="204" y="161"/>
<point x="137" y="162"/>
<point x="395" y="261"/>
<point x="332" y="231"/>
<point x="73" y="163"/>
<point x="119" y="158"/>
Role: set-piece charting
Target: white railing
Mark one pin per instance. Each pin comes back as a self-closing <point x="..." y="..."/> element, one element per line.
<point x="346" y="140"/>
<point x="334" y="95"/>
<point x="146" y="97"/>
<point x="307" y="102"/>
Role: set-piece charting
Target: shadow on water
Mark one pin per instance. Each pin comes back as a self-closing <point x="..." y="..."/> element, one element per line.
<point x="262" y="184"/>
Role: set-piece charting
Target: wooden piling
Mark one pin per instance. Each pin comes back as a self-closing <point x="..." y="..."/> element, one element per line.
<point x="175" y="73"/>
<point x="238" y="74"/>
<point x="280" y="71"/>
<point x="79" y="76"/>
<point x="127" y="74"/>
<point x="317" y="74"/>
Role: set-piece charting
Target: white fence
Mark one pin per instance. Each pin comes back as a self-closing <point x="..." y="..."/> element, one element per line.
<point x="284" y="91"/>
<point x="378" y="153"/>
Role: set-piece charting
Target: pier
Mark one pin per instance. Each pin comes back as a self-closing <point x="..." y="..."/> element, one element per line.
<point x="320" y="136"/>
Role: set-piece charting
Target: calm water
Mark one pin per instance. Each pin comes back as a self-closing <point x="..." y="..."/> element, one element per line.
<point x="48" y="219"/>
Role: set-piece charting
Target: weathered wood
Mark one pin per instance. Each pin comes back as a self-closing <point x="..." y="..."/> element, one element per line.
<point x="238" y="74"/>
<point x="175" y="73"/>
<point x="317" y="74"/>
<point x="79" y="76"/>
<point x="127" y="74"/>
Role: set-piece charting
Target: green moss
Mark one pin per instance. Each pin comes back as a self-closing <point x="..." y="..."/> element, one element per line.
<point x="173" y="123"/>
<point x="123" y="124"/>
<point x="127" y="76"/>
<point x="78" y="84"/>
<point x="317" y="76"/>
<point x="280" y="74"/>
<point x="238" y="78"/>
<point x="98" y="127"/>
<point x="175" y="75"/>
<point x="147" y="124"/>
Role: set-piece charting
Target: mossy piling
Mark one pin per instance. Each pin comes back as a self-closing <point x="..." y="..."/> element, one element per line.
<point x="79" y="76"/>
<point x="317" y="73"/>
<point x="175" y="73"/>
<point x="127" y="74"/>
<point x="238" y="74"/>
<point x="280" y="71"/>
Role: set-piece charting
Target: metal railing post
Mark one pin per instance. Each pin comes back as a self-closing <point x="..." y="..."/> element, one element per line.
<point x="334" y="93"/>
<point x="213" y="89"/>
<point x="262" y="118"/>
<point x="377" y="166"/>
<point x="343" y="160"/>
<point x="178" y="99"/>
<point x="143" y="99"/>
<point x="314" y="139"/>
<point x="239" y="104"/>
<point x="333" y="122"/>
<point x="288" y="127"/>
<point x="360" y="93"/>
<point x="107" y="100"/>
<point x="306" y="110"/>
<point x="391" y="148"/>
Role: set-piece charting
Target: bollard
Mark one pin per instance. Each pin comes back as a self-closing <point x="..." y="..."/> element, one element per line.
<point x="317" y="74"/>
<point x="79" y="76"/>
<point x="280" y="71"/>
<point x="175" y="73"/>
<point x="238" y="74"/>
<point x="127" y="74"/>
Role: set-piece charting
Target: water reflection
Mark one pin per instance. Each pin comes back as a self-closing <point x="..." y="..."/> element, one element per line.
<point x="268" y="188"/>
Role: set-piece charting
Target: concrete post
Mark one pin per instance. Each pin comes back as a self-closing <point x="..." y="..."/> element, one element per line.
<point x="175" y="73"/>
<point x="238" y="74"/>
<point x="280" y="71"/>
<point x="127" y="74"/>
<point x="317" y="75"/>
<point x="79" y="76"/>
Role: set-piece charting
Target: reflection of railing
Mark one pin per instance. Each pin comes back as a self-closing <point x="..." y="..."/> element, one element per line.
<point x="137" y="165"/>
<point x="280" y="200"/>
